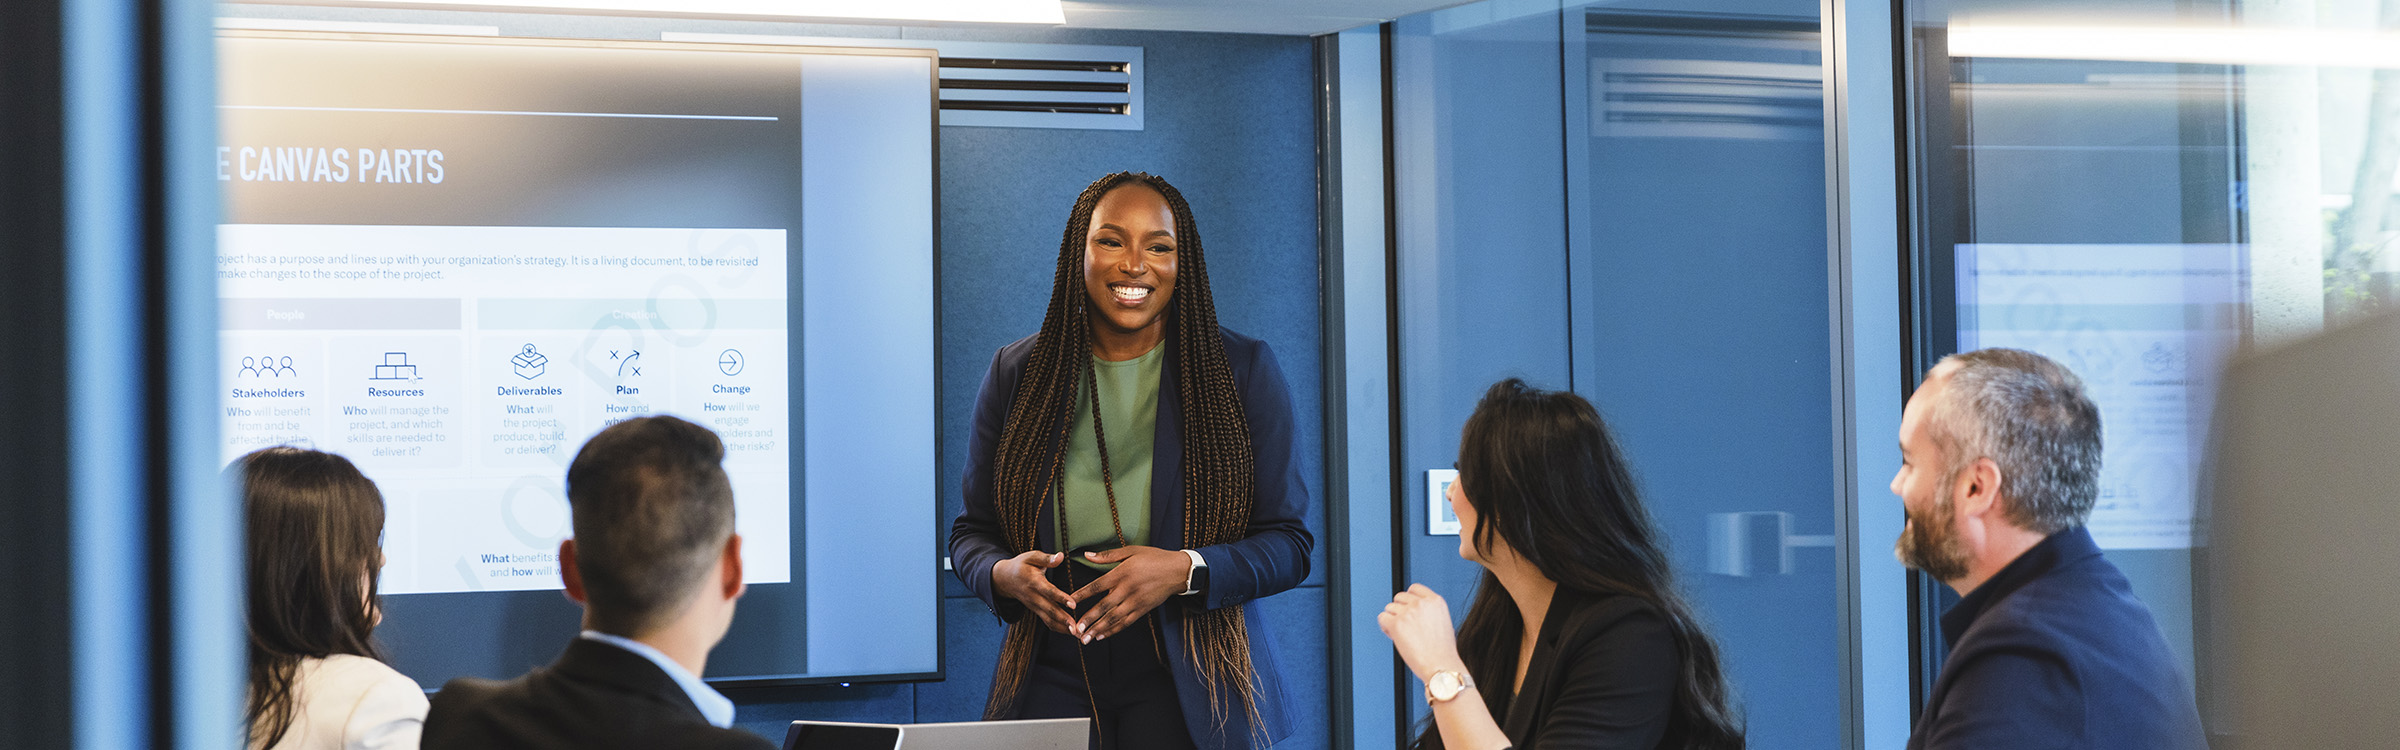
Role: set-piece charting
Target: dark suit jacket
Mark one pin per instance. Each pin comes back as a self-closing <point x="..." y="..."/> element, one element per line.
<point x="1602" y="676"/>
<point x="595" y="696"/>
<point x="2054" y="652"/>
<point x="1272" y="559"/>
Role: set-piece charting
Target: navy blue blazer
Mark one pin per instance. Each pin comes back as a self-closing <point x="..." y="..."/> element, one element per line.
<point x="1272" y="559"/>
<point x="2055" y="652"/>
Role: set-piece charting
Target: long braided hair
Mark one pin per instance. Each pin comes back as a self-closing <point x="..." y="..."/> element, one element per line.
<point x="1219" y="469"/>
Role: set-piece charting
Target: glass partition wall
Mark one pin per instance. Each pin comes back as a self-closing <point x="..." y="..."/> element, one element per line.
<point x="2140" y="188"/>
<point x="1628" y="199"/>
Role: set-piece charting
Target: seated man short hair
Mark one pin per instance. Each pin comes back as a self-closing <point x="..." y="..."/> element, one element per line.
<point x="657" y="568"/>
<point x="2000" y="465"/>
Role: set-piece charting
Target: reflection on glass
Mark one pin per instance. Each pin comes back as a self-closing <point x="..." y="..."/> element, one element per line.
<point x="2138" y="188"/>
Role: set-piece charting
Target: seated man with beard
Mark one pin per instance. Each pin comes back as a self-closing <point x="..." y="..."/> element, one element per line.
<point x="2000" y="465"/>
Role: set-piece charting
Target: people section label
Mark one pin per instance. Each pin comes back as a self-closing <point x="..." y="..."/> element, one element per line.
<point x="462" y="367"/>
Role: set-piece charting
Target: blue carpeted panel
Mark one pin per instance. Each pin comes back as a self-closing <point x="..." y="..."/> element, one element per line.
<point x="1296" y="620"/>
<point x="768" y="711"/>
<point x="970" y="649"/>
<point x="1231" y="122"/>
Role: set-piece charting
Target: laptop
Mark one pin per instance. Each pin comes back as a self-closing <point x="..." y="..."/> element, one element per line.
<point x="1029" y="734"/>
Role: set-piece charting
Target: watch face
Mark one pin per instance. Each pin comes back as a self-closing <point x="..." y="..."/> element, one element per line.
<point x="1442" y="686"/>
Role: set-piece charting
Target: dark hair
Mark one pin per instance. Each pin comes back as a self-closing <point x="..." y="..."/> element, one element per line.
<point x="314" y="525"/>
<point x="652" y="509"/>
<point x="1543" y="474"/>
<point x="2029" y="415"/>
<point x="1219" y="471"/>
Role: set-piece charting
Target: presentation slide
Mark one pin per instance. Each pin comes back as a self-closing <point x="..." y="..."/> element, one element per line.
<point x="454" y="259"/>
<point x="456" y="364"/>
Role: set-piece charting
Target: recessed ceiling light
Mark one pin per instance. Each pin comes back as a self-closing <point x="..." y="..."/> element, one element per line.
<point x="971" y="11"/>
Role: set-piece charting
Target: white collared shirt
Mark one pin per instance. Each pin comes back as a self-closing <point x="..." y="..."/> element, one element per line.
<point x="713" y="705"/>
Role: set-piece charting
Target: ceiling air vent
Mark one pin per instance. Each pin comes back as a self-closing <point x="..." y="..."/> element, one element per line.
<point x="1660" y="75"/>
<point x="1011" y="85"/>
<point x="1707" y="99"/>
<point x="1057" y="91"/>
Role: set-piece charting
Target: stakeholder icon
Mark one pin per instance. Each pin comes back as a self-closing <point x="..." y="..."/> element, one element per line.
<point x="267" y="367"/>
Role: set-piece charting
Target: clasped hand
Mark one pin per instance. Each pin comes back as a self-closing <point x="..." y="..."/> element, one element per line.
<point x="1143" y="579"/>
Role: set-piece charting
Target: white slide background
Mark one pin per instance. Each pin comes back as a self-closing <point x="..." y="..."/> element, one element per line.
<point x="462" y="367"/>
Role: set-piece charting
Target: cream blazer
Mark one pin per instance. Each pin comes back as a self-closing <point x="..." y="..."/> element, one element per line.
<point x="346" y="702"/>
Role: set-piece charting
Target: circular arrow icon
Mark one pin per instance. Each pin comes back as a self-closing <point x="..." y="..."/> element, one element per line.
<point x="730" y="362"/>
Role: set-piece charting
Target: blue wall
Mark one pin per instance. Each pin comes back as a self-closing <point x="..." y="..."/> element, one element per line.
<point x="1230" y="120"/>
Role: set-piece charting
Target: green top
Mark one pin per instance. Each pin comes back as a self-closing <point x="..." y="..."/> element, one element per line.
<point x="1129" y="406"/>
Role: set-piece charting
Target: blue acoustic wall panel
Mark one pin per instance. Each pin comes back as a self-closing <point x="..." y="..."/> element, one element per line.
<point x="969" y="645"/>
<point x="1296" y="622"/>
<point x="1231" y="122"/>
<point x="768" y="711"/>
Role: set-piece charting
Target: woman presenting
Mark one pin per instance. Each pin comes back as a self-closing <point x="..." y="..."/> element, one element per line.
<point x="1131" y="487"/>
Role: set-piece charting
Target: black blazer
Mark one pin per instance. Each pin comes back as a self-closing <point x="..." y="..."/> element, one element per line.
<point x="1602" y="676"/>
<point x="595" y="696"/>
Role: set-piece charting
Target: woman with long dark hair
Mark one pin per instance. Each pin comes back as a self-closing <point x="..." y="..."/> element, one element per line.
<point x="317" y="679"/>
<point x="1576" y="638"/>
<point x="1131" y="487"/>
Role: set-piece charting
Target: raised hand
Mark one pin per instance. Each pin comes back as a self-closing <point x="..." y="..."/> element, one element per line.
<point x="1143" y="579"/>
<point x="1024" y="578"/>
<point x="1418" y="622"/>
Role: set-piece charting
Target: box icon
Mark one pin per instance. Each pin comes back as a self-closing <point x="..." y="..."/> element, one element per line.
<point x="530" y="364"/>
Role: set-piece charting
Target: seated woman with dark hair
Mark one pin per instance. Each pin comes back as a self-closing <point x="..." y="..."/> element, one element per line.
<point x="317" y="679"/>
<point x="1576" y="638"/>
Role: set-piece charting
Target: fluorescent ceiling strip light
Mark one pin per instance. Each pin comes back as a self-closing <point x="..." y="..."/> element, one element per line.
<point x="501" y="112"/>
<point x="2326" y="48"/>
<point x="372" y="27"/>
<point x="971" y="11"/>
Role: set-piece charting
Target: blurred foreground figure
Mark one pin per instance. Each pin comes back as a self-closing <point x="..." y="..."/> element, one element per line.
<point x="2000" y="465"/>
<point x="2304" y="530"/>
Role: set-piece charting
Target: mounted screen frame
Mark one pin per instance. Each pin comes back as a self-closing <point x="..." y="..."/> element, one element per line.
<point x="529" y="627"/>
